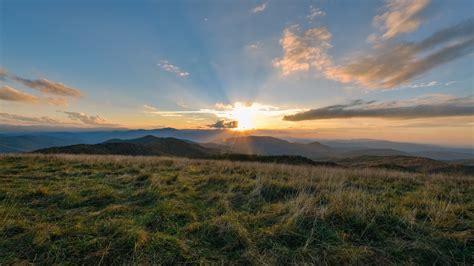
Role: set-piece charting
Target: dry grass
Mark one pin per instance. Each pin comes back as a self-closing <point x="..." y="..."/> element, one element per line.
<point x="139" y="210"/>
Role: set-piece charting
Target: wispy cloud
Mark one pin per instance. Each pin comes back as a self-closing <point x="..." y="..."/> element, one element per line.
<point x="304" y="50"/>
<point x="168" y="67"/>
<point x="402" y="16"/>
<point x="20" y="118"/>
<point x="94" y="120"/>
<point x="391" y="65"/>
<point x="314" y="13"/>
<point x="423" y="107"/>
<point x="387" y="66"/>
<point x="10" y="94"/>
<point x="260" y="8"/>
<point x="43" y="85"/>
<point x="49" y="87"/>
<point x="55" y="101"/>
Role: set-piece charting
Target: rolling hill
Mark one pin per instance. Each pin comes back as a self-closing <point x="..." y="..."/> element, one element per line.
<point x="148" y="145"/>
<point x="406" y="164"/>
<point x="264" y="145"/>
<point x="265" y="149"/>
<point x="25" y="143"/>
<point x="240" y="142"/>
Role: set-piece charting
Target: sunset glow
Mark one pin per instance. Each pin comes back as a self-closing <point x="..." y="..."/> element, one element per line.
<point x="291" y="66"/>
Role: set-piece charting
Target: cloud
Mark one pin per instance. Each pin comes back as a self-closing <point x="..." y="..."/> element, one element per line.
<point x="225" y="124"/>
<point x="402" y="16"/>
<point x="56" y="101"/>
<point x="166" y="66"/>
<point x="49" y="87"/>
<point x="3" y="73"/>
<point x="388" y="64"/>
<point x="260" y="8"/>
<point x="45" y="86"/>
<point x="423" y="84"/>
<point x="304" y="51"/>
<point x="394" y="64"/>
<point x="20" y="118"/>
<point x="315" y="12"/>
<point x="149" y="108"/>
<point x="10" y="94"/>
<point x="86" y="119"/>
<point x="424" y="107"/>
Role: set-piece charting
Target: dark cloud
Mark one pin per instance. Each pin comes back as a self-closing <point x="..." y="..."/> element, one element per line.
<point x="225" y="124"/>
<point x="8" y="93"/>
<point x="441" y="106"/>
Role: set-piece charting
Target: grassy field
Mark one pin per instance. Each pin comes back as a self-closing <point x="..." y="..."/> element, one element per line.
<point x="137" y="210"/>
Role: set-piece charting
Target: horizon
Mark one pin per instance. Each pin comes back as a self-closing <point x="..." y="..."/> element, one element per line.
<point x="306" y="69"/>
<point x="284" y="135"/>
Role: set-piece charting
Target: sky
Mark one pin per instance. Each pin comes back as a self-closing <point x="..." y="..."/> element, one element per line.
<point x="396" y="70"/>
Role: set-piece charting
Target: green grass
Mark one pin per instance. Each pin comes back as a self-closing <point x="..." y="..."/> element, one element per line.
<point x="73" y="209"/>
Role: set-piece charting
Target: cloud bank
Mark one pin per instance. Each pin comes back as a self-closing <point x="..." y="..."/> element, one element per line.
<point x="425" y="107"/>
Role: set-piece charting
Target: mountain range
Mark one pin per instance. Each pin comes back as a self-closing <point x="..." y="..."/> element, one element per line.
<point x="237" y="142"/>
<point x="260" y="149"/>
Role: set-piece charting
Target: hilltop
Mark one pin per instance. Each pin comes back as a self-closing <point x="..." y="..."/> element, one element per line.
<point x="72" y="209"/>
<point x="147" y="145"/>
<point x="264" y="149"/>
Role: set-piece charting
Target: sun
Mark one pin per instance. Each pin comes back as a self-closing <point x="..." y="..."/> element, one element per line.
<point x="245" y="115"/>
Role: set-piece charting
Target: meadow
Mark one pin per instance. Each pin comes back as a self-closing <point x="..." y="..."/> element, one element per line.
<point x="77" y="209"/>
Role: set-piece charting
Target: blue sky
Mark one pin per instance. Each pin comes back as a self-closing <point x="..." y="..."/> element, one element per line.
<point x="147" y="63"/>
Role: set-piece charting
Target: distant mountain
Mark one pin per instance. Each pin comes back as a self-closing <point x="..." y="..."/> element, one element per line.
<point x="233" y="141"/>
<point x="25" y="143"/>
<point x="264" y="145"/>
<point x="148" y="145"/>
<point x="372" y="152"/>
<point x="265" y="149"/>
<point x="357" y="144"/>
<point x="445" y="155"/>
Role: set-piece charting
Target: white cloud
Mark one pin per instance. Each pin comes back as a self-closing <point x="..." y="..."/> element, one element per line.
<point x="315" y="12"/>
<point x="260" y="8"/>
<point x="168" y="67"/>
